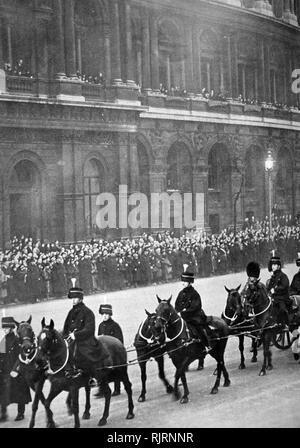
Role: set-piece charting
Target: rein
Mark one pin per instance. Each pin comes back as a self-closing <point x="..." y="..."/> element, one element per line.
<point x="177" y="335"/>
<point x="263" y="311"/>
<point x="28" y="360"/>
<point x="148" y="340"/>
<point x="50" y="371"/>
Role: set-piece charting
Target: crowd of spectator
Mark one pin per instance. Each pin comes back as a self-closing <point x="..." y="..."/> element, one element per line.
<point x="99" y="79"/>
<point x="34" y="270"/>
<point x="18" y="69"/>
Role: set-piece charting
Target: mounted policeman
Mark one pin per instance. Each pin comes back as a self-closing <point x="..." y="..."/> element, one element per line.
<point x="79" y="330"/>
<point x="189" y="305"/>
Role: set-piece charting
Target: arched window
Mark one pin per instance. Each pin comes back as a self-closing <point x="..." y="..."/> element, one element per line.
<point x="25" y="195"/>
<point x="93" y="179"/>
<point x="247" y="68"/>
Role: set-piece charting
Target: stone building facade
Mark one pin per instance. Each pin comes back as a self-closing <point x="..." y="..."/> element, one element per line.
<point x="68" y="133"/>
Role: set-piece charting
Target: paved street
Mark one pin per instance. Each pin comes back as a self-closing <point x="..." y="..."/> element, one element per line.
<point x="250" y="402"/>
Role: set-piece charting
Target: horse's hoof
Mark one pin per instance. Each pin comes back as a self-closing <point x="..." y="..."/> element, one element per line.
<point x="86" y="416"/>
<point x="51" y="425"/>
<point x="130" y="416"/>
<point x="184" y="400"/>
<point x="242" y="366"/>
<point x="169" y="389"/>
<point x="31" y="425"/>
<point x="296" y="357"/>
<point x="254" y="359"/>
<point x="141" y="399"/>
<point x="214" y="391"/>
<point x="226" y="383"/>
<point x="262" y="373"/>
<point x="102" y="422"/>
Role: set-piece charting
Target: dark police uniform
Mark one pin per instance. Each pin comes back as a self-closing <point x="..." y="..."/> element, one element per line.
<point x="12" y="390"/>
<point x="295" y="285"/>
<point x="189" y="305"/>
<point x="281" y="300"/>
<point x="86" y="349"/>
<point x="110" y="328"/>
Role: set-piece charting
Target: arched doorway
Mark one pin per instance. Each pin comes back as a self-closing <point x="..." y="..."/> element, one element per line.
<point x="25" y="205"/>
<point x="93" y="179"/>
<point x="219" y="197"/>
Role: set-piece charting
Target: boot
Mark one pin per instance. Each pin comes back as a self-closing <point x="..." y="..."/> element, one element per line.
<point x="21" y="410"/>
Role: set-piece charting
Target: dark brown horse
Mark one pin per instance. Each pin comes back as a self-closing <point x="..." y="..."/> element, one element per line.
<point x="238" y="323"/>
<point x="32" y="368"/>
<point x="171" y="329"/>
<point x="147" y="346"/>
<point x="54" y="348"/>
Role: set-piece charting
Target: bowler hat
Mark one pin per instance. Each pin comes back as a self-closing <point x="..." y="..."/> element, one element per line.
<point x="105" y="309"/>
<point x="75" y="293"/>
<point x="8" y="322"/>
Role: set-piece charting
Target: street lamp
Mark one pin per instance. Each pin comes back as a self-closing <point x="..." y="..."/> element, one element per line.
<point x="269" y="165"/>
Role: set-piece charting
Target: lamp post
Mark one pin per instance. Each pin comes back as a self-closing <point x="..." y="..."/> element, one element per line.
<point x="269" y="165"/>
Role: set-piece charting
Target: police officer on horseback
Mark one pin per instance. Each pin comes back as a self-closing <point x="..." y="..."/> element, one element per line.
<point x="278" y="288"/>
<point x="295" y="285"/>
<point x="253" y="282"/>
<point x="189" y="305"/>
<point x="79" y="330"/>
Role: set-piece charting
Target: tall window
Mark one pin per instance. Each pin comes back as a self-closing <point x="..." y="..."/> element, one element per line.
<point x="93" y="185"/>
<point x="171" y="58"/>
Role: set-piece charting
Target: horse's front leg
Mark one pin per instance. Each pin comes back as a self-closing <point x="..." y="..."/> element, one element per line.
<point x="54" y="391"/>
<point x="266" y="350"/>
<point x="241" y="348"/>
<point x="142" y="365"/>
<point x="107" y="395"/>
<point x="254" y="350"/>
<point x="86" y="414"/>
<point x="215" y="388"/>
<point x="161" y="373"/>
<point x="74" y="390"/>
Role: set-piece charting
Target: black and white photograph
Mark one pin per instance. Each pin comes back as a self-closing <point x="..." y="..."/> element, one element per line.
<point x="149" y="217"/>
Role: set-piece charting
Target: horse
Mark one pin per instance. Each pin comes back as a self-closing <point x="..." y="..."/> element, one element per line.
<point x="172" y="330"/>
<point x="147" y="346"/>
<point x="31" y="368"/>
<point x="235" y="317"/>
<point x="54" y="348"/>
<point x="258" y="302"/>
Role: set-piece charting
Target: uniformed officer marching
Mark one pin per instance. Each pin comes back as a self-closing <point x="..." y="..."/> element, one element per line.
<point x="278" y="287"/>
<point x="189" y="305"/>
<point x="111" y="328"/>
<point x="79" y="327"/>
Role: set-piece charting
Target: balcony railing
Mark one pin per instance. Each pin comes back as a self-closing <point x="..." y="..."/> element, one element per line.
<point x="21" y="84"/>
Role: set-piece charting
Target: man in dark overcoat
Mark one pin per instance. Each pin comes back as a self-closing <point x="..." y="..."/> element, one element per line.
<point x="295" y="285"/>
<point x="12" y="390"/>
<point x="189" y="305"/>
<point x="278" y="287"/>
<point x="79" y="327"/>
<point x="110" y="327"/>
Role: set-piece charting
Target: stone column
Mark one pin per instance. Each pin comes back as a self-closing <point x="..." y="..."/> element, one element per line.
<point x="133" y="164"/>
<point x="199" y="202"/>
<point x="196" y="58"/>
<point x="70" y="38"/>
<point x="115" y="44"/>
<point x="124" y="180"/>
<point x="107" y="59"/>
<point x="9" y="44"/>
<point x="146" y="83"/>
<point x="234" y="69"/>
<point x="58" y="38"/>
<point x="128" y="47"/>
<point x="189" y="84"/>
<point x="154" y="52"/>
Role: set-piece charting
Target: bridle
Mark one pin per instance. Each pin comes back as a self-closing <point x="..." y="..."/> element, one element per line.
<point x="28" y="345"/>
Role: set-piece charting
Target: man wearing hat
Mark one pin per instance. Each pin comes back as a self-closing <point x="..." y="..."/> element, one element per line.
<point x="12" y="390"/>
<point x="278" y="287"/>
<point x="295" y="285"/>
<point x="253" y="273"/>
<point x="189" y="305"/>
<point x="79" y="327"/>
<point x="109" y="327"/>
